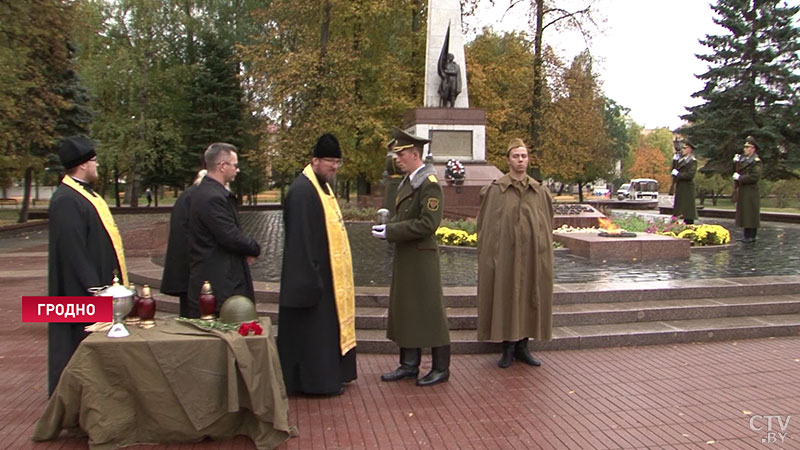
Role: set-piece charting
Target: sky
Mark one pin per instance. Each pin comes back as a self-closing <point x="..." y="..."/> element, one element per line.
<point x="644" y="51"/>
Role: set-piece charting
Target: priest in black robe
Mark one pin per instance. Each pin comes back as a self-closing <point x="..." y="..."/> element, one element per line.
<point x="175" y="278"/>
<point x="316" y="319"/>
<point x="85" y="248"/>
<point x="219" y="251"/>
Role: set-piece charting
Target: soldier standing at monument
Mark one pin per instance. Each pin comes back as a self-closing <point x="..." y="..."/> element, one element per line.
<point x="417" y="316"/>
<point x="683" y="172"/>
<point x="515" y="260"/>
<point x="747" y="172"/>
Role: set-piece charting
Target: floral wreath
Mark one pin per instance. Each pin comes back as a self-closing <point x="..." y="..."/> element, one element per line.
<point x="455" y="171"/>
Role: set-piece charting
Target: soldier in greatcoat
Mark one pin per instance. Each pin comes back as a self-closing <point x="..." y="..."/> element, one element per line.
<point x="515" y="260"/>
<point x="417" y="316"/>
<point x="747" y="172"/>
<point x="683" y="172"/>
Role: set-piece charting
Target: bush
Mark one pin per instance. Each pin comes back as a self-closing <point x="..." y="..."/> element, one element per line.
<point x="700" y="235"/>
<point x="449" y="236"/>
<point x="706" y="235"/>
<point x="353" y="213"/>
<point x="468" y="225"/>
<point x="786" y="192"/>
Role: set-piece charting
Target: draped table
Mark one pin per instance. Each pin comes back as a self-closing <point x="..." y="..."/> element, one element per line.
<point x="171" y="383"/>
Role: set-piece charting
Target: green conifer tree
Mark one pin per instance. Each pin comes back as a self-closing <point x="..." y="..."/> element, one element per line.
<point x="751" y="86"/>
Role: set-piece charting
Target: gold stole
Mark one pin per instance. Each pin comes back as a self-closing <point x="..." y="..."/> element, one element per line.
<point x="341" y="264"/>
<point x="108" y="223"/>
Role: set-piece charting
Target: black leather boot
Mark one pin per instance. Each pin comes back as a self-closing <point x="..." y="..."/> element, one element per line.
<point x="409" y="365"/>
<point x="440" y="368"/>
<point x="522" y="353"/>
<point x="507" y="356"/>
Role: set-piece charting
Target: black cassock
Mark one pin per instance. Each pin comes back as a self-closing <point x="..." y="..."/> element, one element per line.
<point x="217" y="246"/>
<point x="80" y="256"/>
<point x="308" y="324"/>
<point x="175" y="279"/>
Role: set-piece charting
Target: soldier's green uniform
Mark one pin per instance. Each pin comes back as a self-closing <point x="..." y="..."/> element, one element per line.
<point x="417" y="317"/>
<point x="684" y="205"/>
<point x="748" y="198"/>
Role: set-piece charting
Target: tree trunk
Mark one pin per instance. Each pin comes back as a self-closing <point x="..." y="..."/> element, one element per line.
<point x="116" y="185"/>
<point x="26" y="196"/>
<point x="538" y="76"/>
<point x="580" y="192"/>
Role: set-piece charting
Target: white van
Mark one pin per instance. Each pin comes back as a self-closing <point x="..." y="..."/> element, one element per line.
<point x="643" y="189"/>
<point x="624" y="191"/>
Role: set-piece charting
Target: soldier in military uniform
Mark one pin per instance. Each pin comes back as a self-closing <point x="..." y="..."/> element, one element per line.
<point x="747" y="172"/>
<point x="683" y="172"/>
<point x="417" y="316"/>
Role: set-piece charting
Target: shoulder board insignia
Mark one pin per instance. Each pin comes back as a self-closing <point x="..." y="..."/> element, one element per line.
<point x="432" y="179"/>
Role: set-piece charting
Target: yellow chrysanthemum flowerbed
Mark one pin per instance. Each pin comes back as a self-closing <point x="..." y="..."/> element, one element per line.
<point x="701" y="235"/>
<point x="449" y="236"/>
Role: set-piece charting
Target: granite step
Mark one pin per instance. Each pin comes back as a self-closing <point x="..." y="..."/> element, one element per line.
<point x="616" y="335"/>
<point x="465" y="318"/>
<point x="144" y="271"/>
<point x="581" y="293"/>
<point x="602" y="313"/>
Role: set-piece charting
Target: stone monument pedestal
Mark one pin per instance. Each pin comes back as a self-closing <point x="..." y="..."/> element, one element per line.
<point x="643" y="247"/>
<point x="458" y="133"/>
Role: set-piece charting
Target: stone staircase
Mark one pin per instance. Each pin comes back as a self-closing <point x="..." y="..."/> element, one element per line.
<point x="590" y="315"/>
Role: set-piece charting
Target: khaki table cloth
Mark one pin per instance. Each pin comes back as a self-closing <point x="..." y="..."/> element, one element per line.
<point x="171" y="383"/>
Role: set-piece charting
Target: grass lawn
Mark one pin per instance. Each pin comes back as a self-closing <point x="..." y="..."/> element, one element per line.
<point x="767" y="204"/>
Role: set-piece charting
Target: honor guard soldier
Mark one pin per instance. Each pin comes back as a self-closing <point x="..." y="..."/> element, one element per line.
<point x="747" y="172"/>
<point x="417" y="316"/>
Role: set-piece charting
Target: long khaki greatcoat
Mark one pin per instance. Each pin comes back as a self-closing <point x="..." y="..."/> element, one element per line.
<point x="417" y="316"/>
<point x="515" y="262"/>
<point x="748" y="203"/>
<point x="684" y="205"/>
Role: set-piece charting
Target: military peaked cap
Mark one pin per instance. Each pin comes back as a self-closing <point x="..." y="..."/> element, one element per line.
<point x="405" y="140"/>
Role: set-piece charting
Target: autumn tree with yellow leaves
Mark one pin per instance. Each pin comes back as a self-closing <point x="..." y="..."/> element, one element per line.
<point x="574" y="145"/>
<point x="650" y="162"/>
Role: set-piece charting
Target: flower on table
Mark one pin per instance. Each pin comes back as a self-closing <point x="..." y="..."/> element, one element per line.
<point x="253" y="326"/>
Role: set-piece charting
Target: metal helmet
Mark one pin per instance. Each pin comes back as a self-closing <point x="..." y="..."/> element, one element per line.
<point x="237" y="309"/>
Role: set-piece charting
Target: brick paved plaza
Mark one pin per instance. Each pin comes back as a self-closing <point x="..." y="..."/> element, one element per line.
<point x="709" y="395"/>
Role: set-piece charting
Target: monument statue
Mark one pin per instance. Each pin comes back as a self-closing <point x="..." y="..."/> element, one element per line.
<point x="450" y="74"/>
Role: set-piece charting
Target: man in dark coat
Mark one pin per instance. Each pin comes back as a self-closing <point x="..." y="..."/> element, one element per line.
<point x="316" y="320"/>
<point x="85" y="248"/>
<point x="683" y="172"/>
<point x="175" y="278"/>
<point x="219" y="252"/>
<point x="515" y="260"/>
<point x="747" y="172"/>
<point x="417" y="317"/>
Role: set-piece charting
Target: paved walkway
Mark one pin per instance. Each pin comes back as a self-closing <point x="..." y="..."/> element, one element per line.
<point x="659" y="397"/>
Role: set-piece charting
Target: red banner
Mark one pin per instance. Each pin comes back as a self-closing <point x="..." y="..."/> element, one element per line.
<point x="66" y="309"/>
